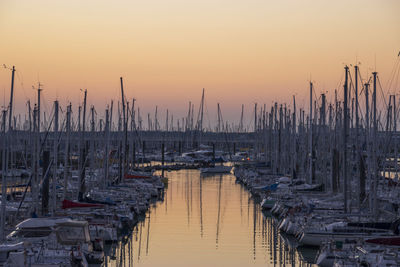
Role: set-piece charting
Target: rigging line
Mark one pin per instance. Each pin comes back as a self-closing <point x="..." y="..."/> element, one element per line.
<point x="208" y="118"/>
<point x="251" y="122"/>
<point x="61" y="110"/>
<point x="44" y="102"/>
<point x="397" y="112"/>
<point x="397" y="79"/>
<point x="314" y="91"/>
<point x="4" y="99"/>
<point x="383" y="96"/>
<point x="351" y="84"/>
<point x="360" y="111"/>
<point x="51" y="114"/>
<point x="361" y="81"/>
<point x="338" y="86"/>
<point x="393" y="73"/>
<point x="198" y="115"/>
<point x="316" y="99"/>
<point x="21" y="79"/>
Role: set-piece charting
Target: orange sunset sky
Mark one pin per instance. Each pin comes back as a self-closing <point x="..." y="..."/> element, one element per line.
<point x="241" y="52"/>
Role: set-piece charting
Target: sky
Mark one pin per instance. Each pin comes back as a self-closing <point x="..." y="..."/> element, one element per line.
<point x="241" y="52"/>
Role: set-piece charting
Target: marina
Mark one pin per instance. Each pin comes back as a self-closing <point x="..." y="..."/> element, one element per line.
<point x="199" y="133"/>
<point x="295" y="190"/>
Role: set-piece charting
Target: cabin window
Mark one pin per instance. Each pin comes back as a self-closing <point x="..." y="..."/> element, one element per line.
<point x="42" y="232"/>
<point x="71" y="234"/>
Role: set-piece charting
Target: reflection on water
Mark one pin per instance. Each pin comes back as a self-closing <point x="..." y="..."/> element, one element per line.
<point x="203" y="221"/>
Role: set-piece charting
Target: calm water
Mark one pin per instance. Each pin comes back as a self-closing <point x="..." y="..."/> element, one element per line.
<point x="204" y="221"/>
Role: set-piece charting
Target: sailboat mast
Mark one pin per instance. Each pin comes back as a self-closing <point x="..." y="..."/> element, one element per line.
<point x="202" y="112"/>
<point x="66" y="150"/>
<point x="156" y="119"/>
<point x="37" y="150"/>
<point x="294" y="140"/>
<point x="395" y="139"/>
<point x="219" y="119"/>
<point x="3" y="177"/>
<point x="55" y="156"/>
<point x="374" y="156"/>
<point x="82" y="151"/>
<point x="11" y="99"/>
<point x="310" y="136"/>
<point x="188" y="117"/>
<point x="125" y="128"/>
<point x="38" y="108"/>
<point x="106" y="153"/>
<point x="345" y="126"/>
<point x="356" y="98"/>
<point x="92" y="149"/>
<point x="255" y="117"/>
<point x="241" y="120"/>
<point x="133" y="123"/>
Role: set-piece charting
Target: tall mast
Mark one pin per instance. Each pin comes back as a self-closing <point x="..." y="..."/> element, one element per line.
<point x="125" y="128"/>
<point x="92" y="140"/>
<point x="156" y="119"/>
<point x="219" y="119"/>
<point x="280" y="127"/>
<point x="10" y="123"/>
<point x="55" y="156"/>
<point x="275" y="169"/>
<point x="374" y="157"/>
<point x="255" y="131"/>
<point x="111" y="115"/>
<point x="11" y="99"/>
<point x="133" y="123"/>
<point x="82" y="151"/>
<point x="66" y="151"/>
<point x="120" y="129"/>
<point x="38" y="107"/>
<point x="356" y="97"/>
<point x="106" y="154"/>
<point x="294" y="139"/>
<point x="202" y="111"/>
<point x="148" y="122"/>
<point x="192" y="118"/>
<point x="395" y="139"/>
<point x="37" y="150"/>
<point x="367" y="127"/>
<point x="255" y="117"/>
<point x="310" y="136"/>
<point x="30" y="115"/>
<point x="188" y="117"/>
<point x="241" y="120"/>
<point x="323" y="136"/>
<point x="263" y="117"/>
<point x="166" y="122"/>
<point x="3" y="177"/>
<point x="345" y="126"/>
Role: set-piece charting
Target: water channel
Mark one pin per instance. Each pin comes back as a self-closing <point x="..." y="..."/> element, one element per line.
<point x="204" y="221"/>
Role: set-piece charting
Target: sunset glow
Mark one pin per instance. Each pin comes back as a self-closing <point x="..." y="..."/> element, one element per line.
<point x="241" y="52"/>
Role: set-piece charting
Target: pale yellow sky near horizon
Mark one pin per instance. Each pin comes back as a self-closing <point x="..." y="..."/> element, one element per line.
<point x="167" y="51"/>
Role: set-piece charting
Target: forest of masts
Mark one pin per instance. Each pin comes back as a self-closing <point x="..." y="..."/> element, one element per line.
<point x="347" y="145"/>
